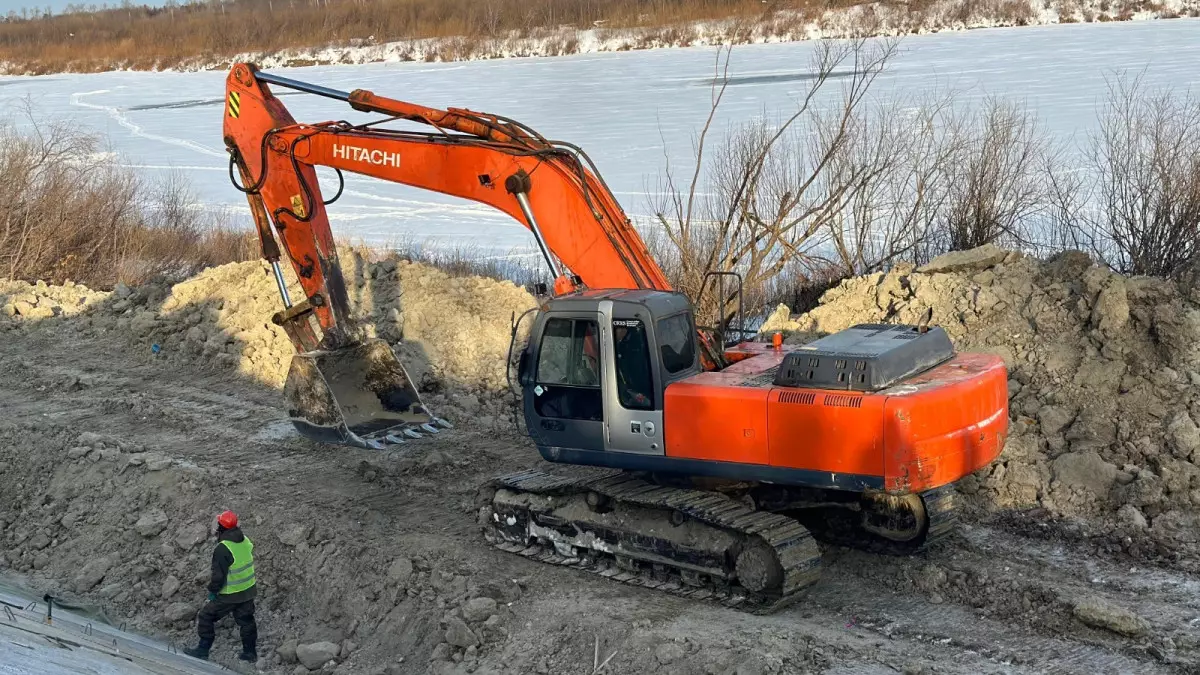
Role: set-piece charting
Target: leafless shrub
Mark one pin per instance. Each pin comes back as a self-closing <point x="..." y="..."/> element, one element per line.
<point x="848" y="187"/>
<point x="903" y="156"/>
<point x="1136" y="202"/>
<point x="996" y="186"/>
<point x="177" y="237"/>
<point x="71" y="212"/>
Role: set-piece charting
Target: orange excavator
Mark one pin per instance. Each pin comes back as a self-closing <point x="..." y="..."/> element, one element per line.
<point x="722" y="464"/>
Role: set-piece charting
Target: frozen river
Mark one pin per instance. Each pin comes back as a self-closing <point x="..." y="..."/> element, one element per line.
<point x="621" y="107"/>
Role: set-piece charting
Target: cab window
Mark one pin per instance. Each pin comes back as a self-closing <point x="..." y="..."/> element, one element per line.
<point x="634" y="384"/>
<point x="676" y="341"/>
<point x="568" y="370"/>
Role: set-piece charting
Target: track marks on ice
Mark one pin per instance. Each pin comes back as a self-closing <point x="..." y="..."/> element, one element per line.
<point x="118" y="114"/>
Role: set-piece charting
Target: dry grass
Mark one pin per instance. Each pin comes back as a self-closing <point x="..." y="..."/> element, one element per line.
<point x="72" y="213"/>
<point x="210" y="34"/>
<point x="143" y="37"/>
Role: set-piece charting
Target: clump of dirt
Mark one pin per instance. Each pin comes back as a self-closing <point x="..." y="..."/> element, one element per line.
<point x="1104" y="380"/>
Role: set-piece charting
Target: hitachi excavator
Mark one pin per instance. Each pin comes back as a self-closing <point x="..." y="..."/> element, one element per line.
<point x="718" y="465"/>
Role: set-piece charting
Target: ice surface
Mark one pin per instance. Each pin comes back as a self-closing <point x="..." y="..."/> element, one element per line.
<point x="625" y="109"/>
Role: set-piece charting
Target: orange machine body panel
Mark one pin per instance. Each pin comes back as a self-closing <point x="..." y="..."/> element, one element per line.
<point x="714" y="416"/>
<point x="945" y="423"/>
<point x="924" y="432"/>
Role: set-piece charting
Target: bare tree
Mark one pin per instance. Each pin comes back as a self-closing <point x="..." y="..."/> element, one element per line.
<point x="903" y="155"/>
<point x="771" y="193"/>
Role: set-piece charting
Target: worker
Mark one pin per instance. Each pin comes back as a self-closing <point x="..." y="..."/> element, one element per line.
<point x="231" y="589"/>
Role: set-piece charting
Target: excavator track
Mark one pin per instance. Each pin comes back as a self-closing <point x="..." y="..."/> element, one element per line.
<point x="690" y="543"/>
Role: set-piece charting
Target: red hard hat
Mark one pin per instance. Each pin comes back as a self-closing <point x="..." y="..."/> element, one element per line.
<point x="227" y="520"/>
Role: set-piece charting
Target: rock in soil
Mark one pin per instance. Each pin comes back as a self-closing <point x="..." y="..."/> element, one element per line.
<point x="1098" y="613"/>
<point x="151" y="523"/>
<point x="287" y="651"/>
<point x="479" y="609"/>
<point x="459" y="634"/>
<point x="317" y="654"/>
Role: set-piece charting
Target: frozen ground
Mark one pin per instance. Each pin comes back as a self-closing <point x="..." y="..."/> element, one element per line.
<point x="624" y="108"/>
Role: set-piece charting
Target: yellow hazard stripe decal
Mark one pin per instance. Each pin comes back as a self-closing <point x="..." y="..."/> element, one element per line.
<point x="235" y="104"/>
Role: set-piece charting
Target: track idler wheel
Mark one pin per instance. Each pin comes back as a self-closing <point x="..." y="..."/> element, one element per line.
<point x="896" y="518"/>
<point x="758" y="569"/>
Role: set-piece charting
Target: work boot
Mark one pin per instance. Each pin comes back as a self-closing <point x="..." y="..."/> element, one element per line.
<point x="248" y="656"/>
<point x="198" y="652"/>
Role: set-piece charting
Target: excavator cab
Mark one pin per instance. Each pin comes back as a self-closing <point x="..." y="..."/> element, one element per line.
<point x="573" y="401"/>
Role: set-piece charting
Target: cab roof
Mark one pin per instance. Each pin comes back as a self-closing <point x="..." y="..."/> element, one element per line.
<point x="659" y="303"/>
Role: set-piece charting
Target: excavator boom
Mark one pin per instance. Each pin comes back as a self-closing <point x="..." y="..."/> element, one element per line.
<point x="470" y="155"/>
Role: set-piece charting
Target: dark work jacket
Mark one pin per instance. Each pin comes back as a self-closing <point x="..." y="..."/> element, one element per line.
<point x="221" y="561"/>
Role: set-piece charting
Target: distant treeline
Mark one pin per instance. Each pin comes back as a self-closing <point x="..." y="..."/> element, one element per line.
<point x="143" y="37"/>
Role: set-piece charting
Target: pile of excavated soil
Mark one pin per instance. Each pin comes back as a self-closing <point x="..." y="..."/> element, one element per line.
<point x="1104" y="373"/>
<point x="21" y="300"/>
<point x="451" y="333"/>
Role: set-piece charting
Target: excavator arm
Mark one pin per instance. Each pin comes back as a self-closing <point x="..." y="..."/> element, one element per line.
<point x="548" y="187"/>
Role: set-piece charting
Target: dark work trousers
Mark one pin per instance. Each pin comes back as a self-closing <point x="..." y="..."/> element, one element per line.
<point x="243" y="614"/>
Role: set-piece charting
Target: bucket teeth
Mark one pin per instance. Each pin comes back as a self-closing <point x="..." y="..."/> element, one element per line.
<point x="430" y="428"/>
<point x="443" y="423"/>
<point x="394" y="439"/>
<point x="412" y="434"/>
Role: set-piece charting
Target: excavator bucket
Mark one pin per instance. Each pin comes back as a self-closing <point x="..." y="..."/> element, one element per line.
<point x="358" y="395"/>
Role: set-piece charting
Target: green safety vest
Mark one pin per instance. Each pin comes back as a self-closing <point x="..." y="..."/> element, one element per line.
<point x="241" y="571"/>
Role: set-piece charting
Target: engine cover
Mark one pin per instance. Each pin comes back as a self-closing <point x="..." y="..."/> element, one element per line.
<point x="866" y="357"/>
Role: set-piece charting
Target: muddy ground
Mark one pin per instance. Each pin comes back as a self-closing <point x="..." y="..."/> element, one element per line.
<point x="114" y="460"/>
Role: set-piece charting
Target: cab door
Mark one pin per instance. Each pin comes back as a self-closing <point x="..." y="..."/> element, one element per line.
<point x="563" y="398"/>
<point x="633" y="406"/>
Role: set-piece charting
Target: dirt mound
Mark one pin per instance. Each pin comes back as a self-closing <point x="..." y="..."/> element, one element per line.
<point x="21" y="300"/>
<point x="1104" y="373"/>
<point x="450" y="332"/>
